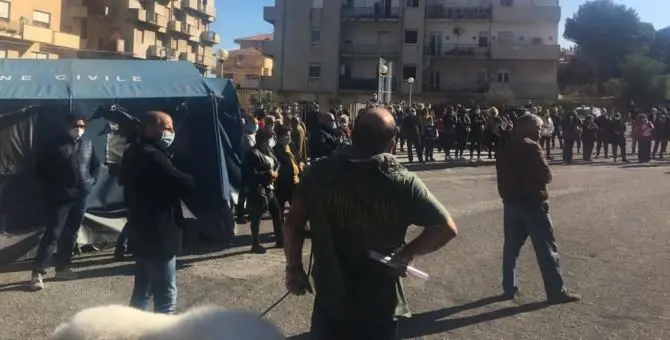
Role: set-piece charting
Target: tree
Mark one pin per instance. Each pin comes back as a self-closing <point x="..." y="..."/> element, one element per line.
<point x="660" y="49"/>
<point x="605" y="33"/>
<point x="643" y="80"/>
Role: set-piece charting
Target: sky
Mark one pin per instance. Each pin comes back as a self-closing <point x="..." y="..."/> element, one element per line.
<point x="240" y="18"/>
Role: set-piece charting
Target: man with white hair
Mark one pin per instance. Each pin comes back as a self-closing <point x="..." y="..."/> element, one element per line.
<point x="523" y="175"/>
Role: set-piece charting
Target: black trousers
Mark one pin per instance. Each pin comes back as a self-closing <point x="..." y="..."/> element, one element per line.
<point x="602" y="143"/>
<point x="429" y="147"/>
<point x="545" y="143"/>
<point x="619" y="144"/>
<point x="256" y="210"/>
<point x="663" y="143"/>
<point x="588" y="149"/>
<point x="417" y="144"/>
<point x="568" y="144"/>
<point x="325" y="327"/>
<point x="448" y="142"/>
<point x="461" y="143"/>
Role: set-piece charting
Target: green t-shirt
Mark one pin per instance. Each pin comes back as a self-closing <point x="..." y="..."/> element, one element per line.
<point x="356" y="206"/>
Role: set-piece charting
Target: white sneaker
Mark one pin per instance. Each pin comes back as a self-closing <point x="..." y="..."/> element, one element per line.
<point x="66" y="274"/>
<point x="36" y="282"/>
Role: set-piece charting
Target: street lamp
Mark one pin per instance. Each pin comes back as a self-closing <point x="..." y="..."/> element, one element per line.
<point x="221" y="56"/>
<point x="383" y="69"/>
<point x="410" y="81"/>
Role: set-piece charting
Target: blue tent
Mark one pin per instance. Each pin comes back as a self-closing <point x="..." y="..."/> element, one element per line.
<point x="35" y="95"/>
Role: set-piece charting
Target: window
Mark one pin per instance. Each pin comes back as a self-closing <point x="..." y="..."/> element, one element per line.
<point x="412" y="3"/>
<point x="317" y="3"/>
<point x="4" y="10"/>
<point x="314" y="71"/>
<point x="42" y="19"/>
<point x="504" y="76"/>
<point x="408" y="72"/>
<point x="411" y="37"/>
<point x="315" y="36"/>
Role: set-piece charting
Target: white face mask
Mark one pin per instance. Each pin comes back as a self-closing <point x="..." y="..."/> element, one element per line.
<point x="76" y="133"/>
<point x="167" y="138"/>
<point x="272" y="142"/>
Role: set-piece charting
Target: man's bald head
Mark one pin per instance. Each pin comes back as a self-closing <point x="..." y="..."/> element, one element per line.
<point x="374" y="131"/>
<point x="155" y="122"/>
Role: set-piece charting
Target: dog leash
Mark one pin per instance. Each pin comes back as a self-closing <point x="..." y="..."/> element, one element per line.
<point x="283" y="297"/>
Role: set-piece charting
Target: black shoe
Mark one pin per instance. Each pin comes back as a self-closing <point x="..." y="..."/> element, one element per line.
<point x="564" y="298"/>
<point x="511" y="295"/>
<point x="119" y="256"/>
<point x="258" y="249"/>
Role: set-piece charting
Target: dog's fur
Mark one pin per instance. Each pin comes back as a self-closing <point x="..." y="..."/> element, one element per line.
<point x="126" y="323"/>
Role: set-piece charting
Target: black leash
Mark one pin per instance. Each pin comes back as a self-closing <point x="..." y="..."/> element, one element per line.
<point x="309" y="271"/>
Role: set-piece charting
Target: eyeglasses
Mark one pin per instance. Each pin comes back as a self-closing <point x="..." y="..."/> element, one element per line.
<point x="80" y="126"/>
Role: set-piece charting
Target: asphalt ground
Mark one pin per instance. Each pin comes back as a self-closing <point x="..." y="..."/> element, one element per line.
<point x="611" y="223"/>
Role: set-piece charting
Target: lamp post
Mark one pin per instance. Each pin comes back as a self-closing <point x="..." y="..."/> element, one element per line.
<point x="221" y="56"/>
<point x="384" y="86"/>
<point x="410" y="81"/>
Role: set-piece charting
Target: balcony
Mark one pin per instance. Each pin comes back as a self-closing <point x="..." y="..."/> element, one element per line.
<point x="529" y="13"/>
<point x="377" y="13"/>
<point x="150" y="17"/>
<point x="199" y="7"/>
<point x="155" y="51"/>
<point x="456" y="87"/>
<point x="457" y="51"/>
<point x="270" y="14"/>
<point x="210" y="37"/>
<point x="250" y="83"/>
<point x="452" y="12"/>
<point x="174" y="26"/>
<point x="362" y="84"/>
<point x="525" y="52"/>
<point x="270" y="82"/>
<point x="44" y="35"/>
<point x="369" y="49"/>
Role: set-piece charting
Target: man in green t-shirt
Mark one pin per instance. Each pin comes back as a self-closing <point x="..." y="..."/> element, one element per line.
<point x="356" y="201"/>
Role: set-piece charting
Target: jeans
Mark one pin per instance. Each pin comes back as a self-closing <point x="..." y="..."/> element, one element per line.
<point x="63" y="222"/>
<point x="522" y="220"/>
<point x="157" y="278"/>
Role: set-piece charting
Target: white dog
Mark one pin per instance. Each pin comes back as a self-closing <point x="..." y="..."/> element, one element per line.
<point x="126" y="323"/>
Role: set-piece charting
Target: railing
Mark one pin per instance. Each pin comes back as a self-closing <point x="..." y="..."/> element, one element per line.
<point x="363" y="84"/>
<point x="525" y="52"/>
<point x="456" y="87"/>
<point x="439" y="11"/>
<point x="369" y="49"/>
<point x="152" y="17"/>
<point x="457" y="51"/>
<point x="210" y="36"/>
<point x="370" y="13"/>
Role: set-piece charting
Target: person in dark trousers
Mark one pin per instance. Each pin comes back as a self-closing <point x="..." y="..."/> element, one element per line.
<point x="478" y="123"/>
<point x="68" y="169"/>
<point x="570" y="128"/>
<point x="556" y="118"/>
<point x="660" y="134"/>
<point x="449" y="134"/>
<point x="260" y="173"/>
<point x="462" y="132"/>
<point x="290" y="167"/>
<point x="411" y="127"/>
<point x="643" y="134"/>
<point x="523" y="175"/>
<point x="589" y="137"/>
<point x="603" y="122"/>
<point x="155" y="189"/>
<point x="357" y="297"/>
<point x="618" y="137"/>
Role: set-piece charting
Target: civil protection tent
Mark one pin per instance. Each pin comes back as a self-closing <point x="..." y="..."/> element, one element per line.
<point x="37" y="95"/>
<point x="231" y="126"/>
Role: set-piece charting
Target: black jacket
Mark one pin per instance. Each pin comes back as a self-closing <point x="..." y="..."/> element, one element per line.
<point x="411" y="127"/>
<point x="153" y="190"/>
<point x="257" y="168"/>
<point x="69" y="169"/>
<point x="322" y="143"/>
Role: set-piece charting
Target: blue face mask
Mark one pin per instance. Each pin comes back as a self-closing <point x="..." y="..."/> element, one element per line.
<point x="252" y="128"/>
<point x="167" y="138"/>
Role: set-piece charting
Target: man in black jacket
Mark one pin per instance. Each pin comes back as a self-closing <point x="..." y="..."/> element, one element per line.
<point x="154" y="188"/>
<point x="69" y="169"/>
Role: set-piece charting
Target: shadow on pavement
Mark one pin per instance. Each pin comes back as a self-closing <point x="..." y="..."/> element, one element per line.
<point x="441" y="165"/>
<point x="429" y="323"/>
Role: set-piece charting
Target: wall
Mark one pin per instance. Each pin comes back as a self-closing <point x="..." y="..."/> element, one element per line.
<point x="539" y="72"/>
<point x="367" y="32"/>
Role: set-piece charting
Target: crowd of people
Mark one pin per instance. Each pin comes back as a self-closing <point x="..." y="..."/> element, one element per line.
<point x="340" y="179"/>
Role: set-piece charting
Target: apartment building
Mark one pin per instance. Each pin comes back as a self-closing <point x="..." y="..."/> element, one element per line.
<point x="246" y="65"/>
<point x="147" y="29"/>
<point x="452" y="48"/>
<point x="32" y="29"/>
